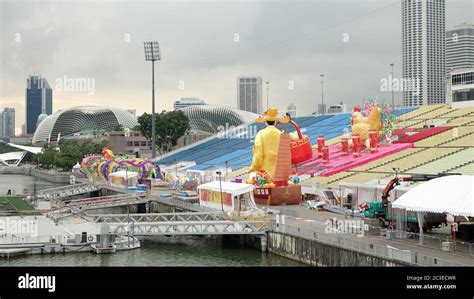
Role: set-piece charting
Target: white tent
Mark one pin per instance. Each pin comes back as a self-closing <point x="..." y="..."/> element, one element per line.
<point x="452" y="194"/>
<point x="228" y="187"/>
<point x="210" y="196"/>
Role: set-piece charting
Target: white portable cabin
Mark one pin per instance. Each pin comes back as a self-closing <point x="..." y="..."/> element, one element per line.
<point x="235" y="197"/>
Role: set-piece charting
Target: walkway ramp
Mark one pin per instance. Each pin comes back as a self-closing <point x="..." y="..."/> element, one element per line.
<point x="178" y="224"/>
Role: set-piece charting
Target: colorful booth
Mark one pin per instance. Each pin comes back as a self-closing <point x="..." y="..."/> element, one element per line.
<point x="227" y="196"/>
<point x="123" y="178"/>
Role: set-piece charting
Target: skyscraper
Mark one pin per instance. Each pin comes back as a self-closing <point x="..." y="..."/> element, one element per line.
<point x="460" y="47"/>
<point x="7" y="123"/>
<point x="423" y="51"/>
<point x="39" y="99"/>
<point x="249" y="94"/>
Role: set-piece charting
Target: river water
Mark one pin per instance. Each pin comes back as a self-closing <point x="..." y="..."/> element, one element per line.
<point x="156" y="251"/>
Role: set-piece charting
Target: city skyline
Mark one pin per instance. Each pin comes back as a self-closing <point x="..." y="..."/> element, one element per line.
<point x="287" y="45"/>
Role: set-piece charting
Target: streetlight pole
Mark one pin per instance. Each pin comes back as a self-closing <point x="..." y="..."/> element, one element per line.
<point x="267" y="93"/>
<point x="391" y="87"/>
<point x="322" y="94"/>
<point x="152" y="53"/>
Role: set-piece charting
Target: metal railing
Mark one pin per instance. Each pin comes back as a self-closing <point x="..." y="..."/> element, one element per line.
<point x="65" y="191"/>
<point x="222" y="227"/>
<point x="384" y="251"/>
<point x="155" y="217"/>
<point x="429" y="241"/>
<point x="446" y="244"/>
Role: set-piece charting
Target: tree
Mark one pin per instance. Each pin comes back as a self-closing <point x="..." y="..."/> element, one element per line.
<point x="99" y="146"/>
<point x="144" y="125"/>
<point x="69" y="154"/>
<point x="46" y="158"/>
<point x="118" y="128"/>
<point x="170" y="126"/>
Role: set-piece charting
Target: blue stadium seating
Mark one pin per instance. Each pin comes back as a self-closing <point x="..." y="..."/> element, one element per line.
<point x="237" y="152"/>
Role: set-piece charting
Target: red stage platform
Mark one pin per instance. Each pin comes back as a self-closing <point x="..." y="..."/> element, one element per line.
<point x="339" y="162"/>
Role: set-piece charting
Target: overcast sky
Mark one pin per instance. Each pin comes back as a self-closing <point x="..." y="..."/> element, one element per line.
<point x="205" y="45"/>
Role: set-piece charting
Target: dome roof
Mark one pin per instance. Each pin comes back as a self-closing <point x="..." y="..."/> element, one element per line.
<point x="41" y="117"/>
<point x="80" y="120"/>
<point x="208" y="118"/>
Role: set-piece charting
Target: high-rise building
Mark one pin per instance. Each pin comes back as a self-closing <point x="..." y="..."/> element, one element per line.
<point x="39" y="100"/>
<point x="249" y="94"/>
<point x="423" y="51"/>
<point x="341" y="108"/>
<point x="460" y="47"/>
<point x="186" y="102"/>
<point x="7" y="123"/>
<point x="460" y="87"/>
<point x="291" y="109"/>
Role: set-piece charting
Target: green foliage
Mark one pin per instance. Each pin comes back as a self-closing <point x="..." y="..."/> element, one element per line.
<point x="170" y="126"/>
<point x="118" y="128"/>
<point x="68" y="153"/>
<point x="46" y="158"/>
<point x="5" y="148"/>
<point x="144" y="123"/>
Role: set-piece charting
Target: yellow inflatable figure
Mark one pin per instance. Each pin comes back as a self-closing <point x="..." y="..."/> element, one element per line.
<point x="362" y="125"/>
<point x="267" y="141"/>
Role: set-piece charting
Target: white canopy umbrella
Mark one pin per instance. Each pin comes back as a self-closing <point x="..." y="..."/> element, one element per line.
<point x="452" y="194"/>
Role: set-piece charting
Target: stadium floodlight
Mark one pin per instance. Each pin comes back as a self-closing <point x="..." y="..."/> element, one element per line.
<point x="152" y="53"/>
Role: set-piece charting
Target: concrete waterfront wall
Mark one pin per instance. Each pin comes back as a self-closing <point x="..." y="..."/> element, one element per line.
<point x="56" y="177"/>
<point x="157" y="207"/>
<point x="315" y="253"/>
<point x="53" y="177"/>
<point x="13" y="170"/>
